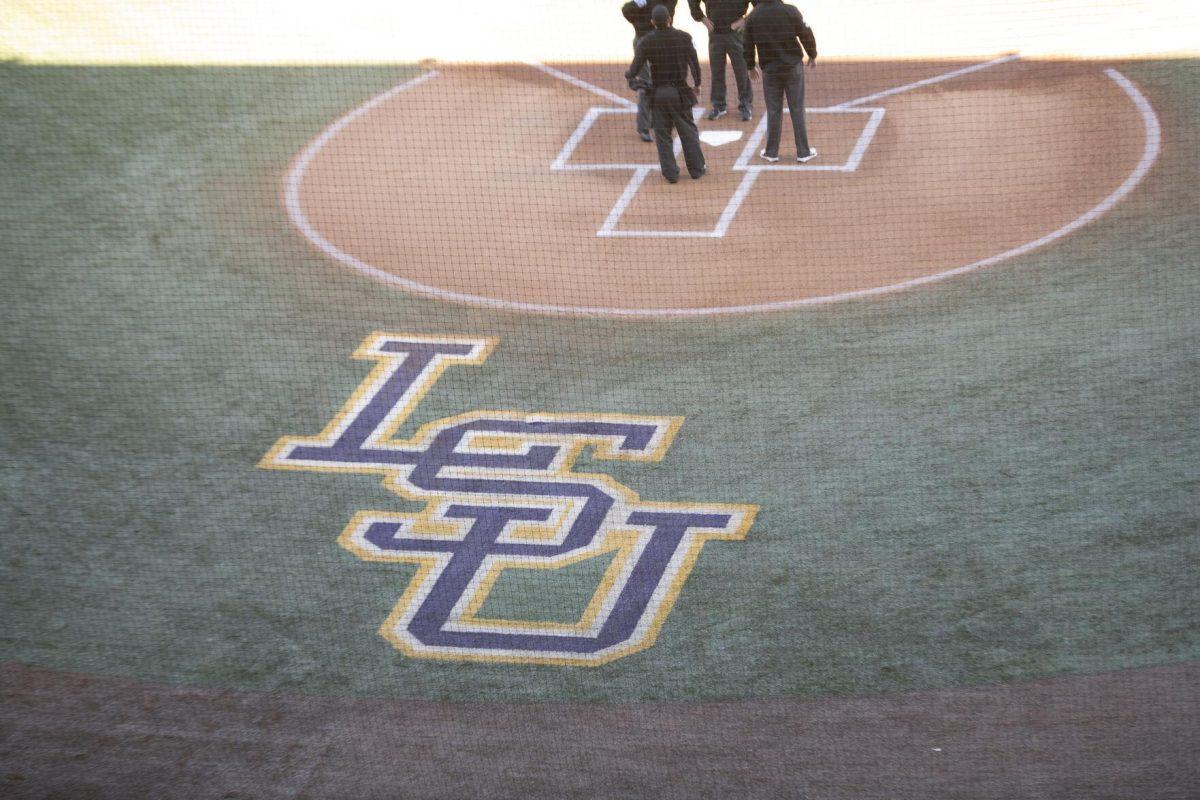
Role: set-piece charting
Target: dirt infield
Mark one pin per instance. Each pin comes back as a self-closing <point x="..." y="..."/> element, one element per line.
<point x="495" y="184"/>
<point x="1128" y="734"/>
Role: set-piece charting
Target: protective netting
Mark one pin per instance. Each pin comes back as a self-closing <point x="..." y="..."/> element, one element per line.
<point x="456" y="400"/>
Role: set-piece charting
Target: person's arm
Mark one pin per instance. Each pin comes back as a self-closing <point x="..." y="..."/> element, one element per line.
<point x="808" y="39"/>
<point x="749" y="46"/>
<point x="693" y="62"/>
<point x="639" y="61"/>
<point x="740" y="23"/>
<point x="629" y="12"/>
<point x="699" y="15"/>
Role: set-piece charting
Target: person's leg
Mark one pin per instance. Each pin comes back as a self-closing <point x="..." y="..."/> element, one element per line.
<point x="664" y="100"/>
<point x="716" y="61"/>
<point x="741" y="76"/>
<point x="644" y="120"/>
<point x="795" y="96"/>
<point x="773" y="99"/>
<point x="689" y="137"/>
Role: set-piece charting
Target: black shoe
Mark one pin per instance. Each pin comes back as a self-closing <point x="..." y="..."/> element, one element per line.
<point x="646" y="137"/>
<point x="717" y="113"/>
<point x="672" y="180"/>
<point x="747" y="113"/>
<point x="697" y="176"/>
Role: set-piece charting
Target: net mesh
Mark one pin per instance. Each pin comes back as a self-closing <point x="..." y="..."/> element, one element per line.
<point x="376" y="368"/>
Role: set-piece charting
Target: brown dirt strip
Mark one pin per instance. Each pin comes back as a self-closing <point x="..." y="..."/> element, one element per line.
<point x="449" y="184"/>
<point x="1129" y="734"/>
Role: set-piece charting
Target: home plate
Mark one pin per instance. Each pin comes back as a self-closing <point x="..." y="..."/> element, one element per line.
<point x="718" y="138"/>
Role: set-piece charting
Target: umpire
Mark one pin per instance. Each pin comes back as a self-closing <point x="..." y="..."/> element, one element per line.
<point x="637" y="13"/>
<point x="671" y="54"/>
<point x="724" y="22"/>
<point x="778" y="32"/>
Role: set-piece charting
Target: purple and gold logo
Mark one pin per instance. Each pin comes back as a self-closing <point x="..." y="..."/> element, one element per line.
<point x="500" y="493"/>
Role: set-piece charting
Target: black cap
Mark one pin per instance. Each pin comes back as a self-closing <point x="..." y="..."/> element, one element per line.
<point x="660" y="16"/>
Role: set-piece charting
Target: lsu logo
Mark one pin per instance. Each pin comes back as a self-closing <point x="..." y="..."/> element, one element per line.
<point x="499" y="493"/>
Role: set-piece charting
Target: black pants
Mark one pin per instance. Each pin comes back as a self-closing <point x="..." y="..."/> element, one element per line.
<point x="644" y="117"/>
<point x="720" y="46"/>
<point x="777" y="84"/>
<point x="673" y="112"/>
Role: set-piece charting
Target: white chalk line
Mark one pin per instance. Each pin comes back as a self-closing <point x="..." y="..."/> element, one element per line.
<point x="560" y="161"/>
<point x="1150" y="152"/>
<point x="624" y="200"/>
<point x="852" y="161"/>
<point x="908" y="87"/>
<point x="296" y="177"/>
<point x="582" y="84"/>
<point x="725" y="219"/>
<point x="640" y="171"/>
<point x="752" y="141"/>
<point x="735" y="202"/>
<point x="864" y="139"/>
<point x="575" y="138"/>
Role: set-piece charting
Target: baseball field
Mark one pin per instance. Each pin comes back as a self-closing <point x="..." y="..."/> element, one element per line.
<point x="394" y="430"/>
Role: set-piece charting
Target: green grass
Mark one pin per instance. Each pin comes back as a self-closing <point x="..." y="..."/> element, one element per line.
<point x="532" y="594"/>
<point x="994" y="478"/>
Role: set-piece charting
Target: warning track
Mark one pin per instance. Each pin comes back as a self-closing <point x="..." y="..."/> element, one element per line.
<point x="1128" y="734"/>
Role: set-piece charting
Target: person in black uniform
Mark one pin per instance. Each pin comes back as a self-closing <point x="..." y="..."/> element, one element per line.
<point x="637" y="12"/>
<point x="724" y="21"/>
<point x="671" y="55"/>
<point x="781" y="37"/>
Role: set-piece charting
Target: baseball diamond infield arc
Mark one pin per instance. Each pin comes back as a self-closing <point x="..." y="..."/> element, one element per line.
<point x="544" y="201"/>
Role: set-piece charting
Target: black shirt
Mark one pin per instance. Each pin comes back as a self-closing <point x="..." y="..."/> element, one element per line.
<point x="670" y="53"/>
<point x="777" y="31"/>
<point x="639" y="18"/>
<point x="722" y="13"/>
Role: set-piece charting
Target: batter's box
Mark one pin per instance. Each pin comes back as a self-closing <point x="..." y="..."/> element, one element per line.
<point x="603" y="141"/>
<point x="827" y="151"/>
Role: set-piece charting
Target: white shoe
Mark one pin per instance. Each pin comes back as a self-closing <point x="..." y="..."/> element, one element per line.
<point x="812" y="153"/>
<point x="763" y="155"/>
